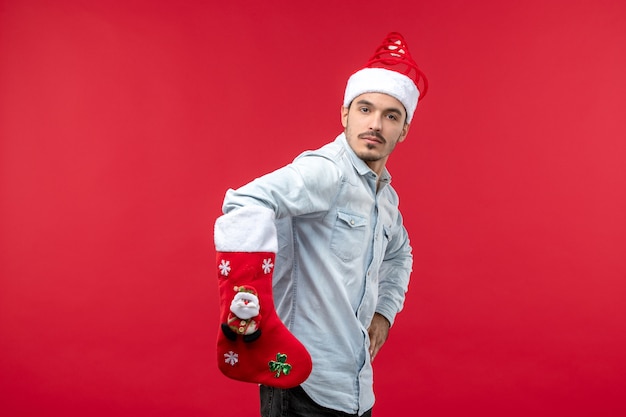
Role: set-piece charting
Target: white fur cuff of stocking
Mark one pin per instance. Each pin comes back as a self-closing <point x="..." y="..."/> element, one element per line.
<point x="247" y="229"/>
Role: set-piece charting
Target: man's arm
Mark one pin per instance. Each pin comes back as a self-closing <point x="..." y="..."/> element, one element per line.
<point x="304" y="187"/>
<point x="395" y="272"/>
<point x="393" y="285"/>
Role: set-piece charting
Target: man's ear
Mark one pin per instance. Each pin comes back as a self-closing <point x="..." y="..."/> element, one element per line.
<point x="344" y="116"/>
<point x="405" y="131"/>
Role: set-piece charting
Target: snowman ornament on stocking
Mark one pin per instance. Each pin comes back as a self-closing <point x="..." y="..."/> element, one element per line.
<point x="253" y="344"/>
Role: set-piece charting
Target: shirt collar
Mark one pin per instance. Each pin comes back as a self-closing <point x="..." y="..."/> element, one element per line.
<point x="360" y="165"/>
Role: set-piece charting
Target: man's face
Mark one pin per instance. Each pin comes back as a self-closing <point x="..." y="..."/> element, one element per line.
<point x="374" y="123"/>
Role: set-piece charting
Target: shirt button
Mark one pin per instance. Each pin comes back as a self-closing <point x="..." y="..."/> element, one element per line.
<point x="352" y="222"/>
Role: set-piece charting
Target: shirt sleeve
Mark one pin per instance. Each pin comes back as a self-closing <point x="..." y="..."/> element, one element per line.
<point x="395" y="273"/>
<point x="305" y="187"/>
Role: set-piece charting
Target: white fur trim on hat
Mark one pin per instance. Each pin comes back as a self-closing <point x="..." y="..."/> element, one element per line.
<point x="381" y="80"/>
<point x="247" y="229"/>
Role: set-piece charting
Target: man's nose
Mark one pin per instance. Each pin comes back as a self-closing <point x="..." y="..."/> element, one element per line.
<point x="376" y="122"/>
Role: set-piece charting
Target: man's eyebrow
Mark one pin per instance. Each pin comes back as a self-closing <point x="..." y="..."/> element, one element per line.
<point x="390" y="109"/>
<point x="395" y="110"/>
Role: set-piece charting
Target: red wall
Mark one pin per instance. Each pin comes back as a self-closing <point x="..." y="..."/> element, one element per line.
<point x="122" y="124"/>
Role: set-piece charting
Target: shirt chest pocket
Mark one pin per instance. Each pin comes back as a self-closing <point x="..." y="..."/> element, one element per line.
<point x="349" y="235"/>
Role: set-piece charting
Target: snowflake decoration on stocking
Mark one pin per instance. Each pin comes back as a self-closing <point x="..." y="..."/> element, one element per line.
<point x="231" y="358"/>
<point x="224" y="267"/>
<point x="267" y="265"/>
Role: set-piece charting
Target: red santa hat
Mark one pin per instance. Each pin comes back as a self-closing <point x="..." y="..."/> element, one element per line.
<point x="245" y="289"/>
<point x="392" y="71"/>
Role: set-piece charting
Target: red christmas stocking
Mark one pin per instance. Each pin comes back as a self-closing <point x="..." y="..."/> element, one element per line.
<point x="253" y="345"/>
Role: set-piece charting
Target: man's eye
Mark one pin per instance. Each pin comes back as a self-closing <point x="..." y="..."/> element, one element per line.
<point x="364" y="110"/>
<point x="392" y="117"/>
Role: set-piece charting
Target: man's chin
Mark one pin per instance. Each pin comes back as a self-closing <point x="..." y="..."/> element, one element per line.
<point x="368" y="156"/>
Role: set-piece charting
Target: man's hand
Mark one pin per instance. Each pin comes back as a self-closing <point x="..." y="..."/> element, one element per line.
<point x="378" y="331"/>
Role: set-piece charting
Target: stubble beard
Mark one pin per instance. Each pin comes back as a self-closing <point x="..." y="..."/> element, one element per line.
<point x="367" y="157"/>
<point x="363" y="155"/>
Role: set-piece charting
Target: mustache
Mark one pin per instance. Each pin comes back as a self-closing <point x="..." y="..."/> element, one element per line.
<point x="371" y="133"/>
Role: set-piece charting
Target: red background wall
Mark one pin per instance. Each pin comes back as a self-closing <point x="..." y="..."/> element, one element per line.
<point x="122" y="124"/>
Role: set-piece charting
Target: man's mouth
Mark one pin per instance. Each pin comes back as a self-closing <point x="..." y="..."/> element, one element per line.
<point x="372" y="137"/>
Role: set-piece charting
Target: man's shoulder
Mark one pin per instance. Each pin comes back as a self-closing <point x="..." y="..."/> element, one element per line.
<point x="333" y="151"/>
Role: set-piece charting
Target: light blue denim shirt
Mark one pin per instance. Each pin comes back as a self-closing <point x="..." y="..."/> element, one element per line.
<point x="343" y="254"/>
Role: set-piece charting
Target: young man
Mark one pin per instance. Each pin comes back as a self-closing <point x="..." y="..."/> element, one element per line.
<point x="342" y="255"/>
